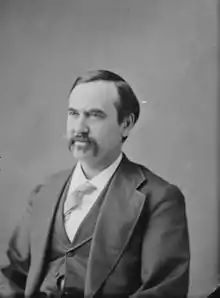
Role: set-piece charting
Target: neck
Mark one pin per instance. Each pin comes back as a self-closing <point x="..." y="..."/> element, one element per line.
<point x="92" y="169"/>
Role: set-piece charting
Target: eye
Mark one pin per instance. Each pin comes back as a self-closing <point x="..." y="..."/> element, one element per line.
<point x="72" y="112"/>
<point x="97" y="114"/>
<point x="94" y="114"/>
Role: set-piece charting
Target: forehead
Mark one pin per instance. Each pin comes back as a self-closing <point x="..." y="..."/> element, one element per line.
<point x="93" y="95"/>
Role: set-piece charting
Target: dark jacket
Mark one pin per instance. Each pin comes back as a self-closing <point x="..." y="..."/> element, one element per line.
<point x="140" y="247"/>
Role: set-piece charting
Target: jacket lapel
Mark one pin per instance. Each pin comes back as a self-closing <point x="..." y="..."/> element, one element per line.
<point x="44" y="210"/>
<point x="86" y="229"/>
<point x="119" y="212"/>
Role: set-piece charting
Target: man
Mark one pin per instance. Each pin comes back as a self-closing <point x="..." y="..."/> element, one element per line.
<point x="108" y="227"/>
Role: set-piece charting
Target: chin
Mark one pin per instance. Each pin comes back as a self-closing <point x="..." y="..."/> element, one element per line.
<point x="84" y="152"/>
<point x="81" y="155"/>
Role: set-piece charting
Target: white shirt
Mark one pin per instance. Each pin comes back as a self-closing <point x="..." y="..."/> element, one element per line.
<point x="78" y="178"/>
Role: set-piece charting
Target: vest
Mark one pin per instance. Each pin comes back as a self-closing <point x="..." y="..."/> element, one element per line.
<point x="65" y="259"/>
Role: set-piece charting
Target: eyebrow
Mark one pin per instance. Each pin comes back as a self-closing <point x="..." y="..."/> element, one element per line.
<point x="98" y="111"/>
<point x="71" y="109"/>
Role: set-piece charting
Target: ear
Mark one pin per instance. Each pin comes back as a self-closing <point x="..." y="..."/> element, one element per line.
<point x="127" y="125"/>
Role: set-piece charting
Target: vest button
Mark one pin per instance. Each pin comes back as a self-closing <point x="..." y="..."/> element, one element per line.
<point x="69" y="253"/>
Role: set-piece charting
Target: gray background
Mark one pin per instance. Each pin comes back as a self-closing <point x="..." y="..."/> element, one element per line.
<point x="166" y="49"/>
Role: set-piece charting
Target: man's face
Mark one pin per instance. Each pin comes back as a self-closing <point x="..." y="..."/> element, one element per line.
<point x="93" y="132"/>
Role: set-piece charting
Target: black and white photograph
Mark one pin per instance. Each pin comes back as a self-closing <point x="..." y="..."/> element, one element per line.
<point x="109" y="149"/>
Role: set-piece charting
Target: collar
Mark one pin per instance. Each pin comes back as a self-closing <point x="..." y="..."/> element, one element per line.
<point x="100" y="180"/>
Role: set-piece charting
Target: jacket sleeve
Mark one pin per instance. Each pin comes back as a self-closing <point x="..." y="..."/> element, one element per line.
<point x="15" y="265"/>
<point x="165" y="250"/>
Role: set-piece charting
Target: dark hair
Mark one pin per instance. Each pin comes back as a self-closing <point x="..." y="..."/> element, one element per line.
<point x="128" y="103"/>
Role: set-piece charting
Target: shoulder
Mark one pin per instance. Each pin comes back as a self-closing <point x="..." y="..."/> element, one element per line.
<point x="60" y="177"/>
<point x="156" y="188"/>
<point x="153" y="179"/>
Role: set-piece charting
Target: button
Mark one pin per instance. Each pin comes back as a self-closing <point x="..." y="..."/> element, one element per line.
<point x="69" y="253"/>
<point x="60" y="281"/>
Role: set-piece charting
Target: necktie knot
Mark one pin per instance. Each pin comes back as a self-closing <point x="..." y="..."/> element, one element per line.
<point x="84" y="189"/>
<point x="77" y="196"/>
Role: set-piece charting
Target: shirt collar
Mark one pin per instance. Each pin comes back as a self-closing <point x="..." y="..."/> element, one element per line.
<point x="101" y="179"/>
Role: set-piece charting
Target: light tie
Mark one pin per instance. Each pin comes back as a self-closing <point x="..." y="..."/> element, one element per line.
<point x="76" y="198"/>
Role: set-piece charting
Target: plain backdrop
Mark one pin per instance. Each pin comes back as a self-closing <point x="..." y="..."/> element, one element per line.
<point x="166" y="50"/>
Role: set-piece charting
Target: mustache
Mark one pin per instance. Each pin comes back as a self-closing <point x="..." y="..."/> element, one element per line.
<point x="78" y="137"/>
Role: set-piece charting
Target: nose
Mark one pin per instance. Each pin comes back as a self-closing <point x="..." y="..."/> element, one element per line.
<point x="79" y="125"/>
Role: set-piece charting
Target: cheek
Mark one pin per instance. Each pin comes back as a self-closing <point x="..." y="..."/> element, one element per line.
<point x="109" y="135"/>
<point x="69" y="124"/>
